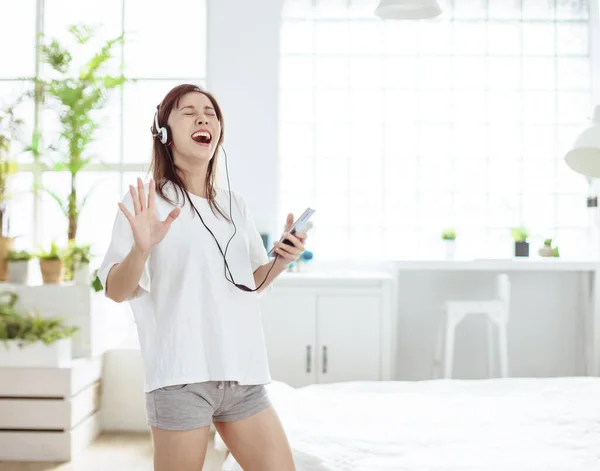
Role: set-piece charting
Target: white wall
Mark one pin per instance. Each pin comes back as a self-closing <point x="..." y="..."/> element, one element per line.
<point x="545" y="333"/>
<point x="243" y="64"/>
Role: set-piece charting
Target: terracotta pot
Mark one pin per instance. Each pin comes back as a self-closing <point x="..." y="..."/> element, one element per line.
<point x="6" y="245"/>
<point x="53" y="271"/>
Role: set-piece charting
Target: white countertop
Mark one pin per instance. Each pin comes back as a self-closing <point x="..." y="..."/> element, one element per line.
<point x="500" y="264"/>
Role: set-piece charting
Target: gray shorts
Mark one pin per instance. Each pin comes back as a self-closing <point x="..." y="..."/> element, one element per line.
<point x="196" y="405"/>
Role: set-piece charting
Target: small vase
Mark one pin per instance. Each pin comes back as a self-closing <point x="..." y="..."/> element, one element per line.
<point x="82" y="274"/>
<point x="521" y="249"/>
<point x="546" y="251"/>
<point x="18" y="271"/>
<point x="52" y="271"/>
<point x="450" y="249"/>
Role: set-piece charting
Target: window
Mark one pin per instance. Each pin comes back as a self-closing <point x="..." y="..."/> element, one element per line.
<point x="162" y="48"/>
<point x="395" y="131"/>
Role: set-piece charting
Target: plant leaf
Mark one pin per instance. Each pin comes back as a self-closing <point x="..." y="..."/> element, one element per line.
<point x="54" y="196"/>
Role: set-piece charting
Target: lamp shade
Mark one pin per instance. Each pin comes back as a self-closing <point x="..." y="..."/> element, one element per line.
<point x="407" y="9"/>
<point x="584" y="157"/>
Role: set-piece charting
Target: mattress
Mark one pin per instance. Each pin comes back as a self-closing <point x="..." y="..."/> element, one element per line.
<point x="516" y="424"/>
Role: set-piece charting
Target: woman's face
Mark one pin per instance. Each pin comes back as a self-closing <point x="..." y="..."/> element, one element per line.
<point x="195" y="128"/>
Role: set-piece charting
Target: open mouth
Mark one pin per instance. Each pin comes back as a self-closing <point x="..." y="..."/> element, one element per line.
<point x="202" y="137"/>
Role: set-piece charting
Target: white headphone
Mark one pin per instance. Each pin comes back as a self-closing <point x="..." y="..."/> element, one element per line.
<point x="162" y="132"/>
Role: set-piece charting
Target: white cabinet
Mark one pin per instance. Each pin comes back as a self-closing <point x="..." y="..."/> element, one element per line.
<point x="323" y="329"/>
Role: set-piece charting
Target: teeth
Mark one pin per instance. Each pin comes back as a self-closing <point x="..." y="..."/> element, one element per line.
<point x="201" y="134"/>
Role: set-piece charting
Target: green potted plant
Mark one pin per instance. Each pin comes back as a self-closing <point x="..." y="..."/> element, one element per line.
<point x="546" y="250"/>
<point x="449" y="240"/>
<point x="30" y="340"/>
<point x="77" y="263"/>
<point x="520" y="236"/>
<point x="18" y="266"/>
<point x="76" y="95"/>
<point x="51" y="264"/>
<point x="10" y="127"/>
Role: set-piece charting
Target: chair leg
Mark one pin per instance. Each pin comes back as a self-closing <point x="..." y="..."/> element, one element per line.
<point x="490" y="345"/>
<point x="449" y="347"/>
<point x="503" y="349"/>
<point x="439" y="352"/>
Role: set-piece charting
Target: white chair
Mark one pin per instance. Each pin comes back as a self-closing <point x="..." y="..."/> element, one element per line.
<point x="497" y="312"/>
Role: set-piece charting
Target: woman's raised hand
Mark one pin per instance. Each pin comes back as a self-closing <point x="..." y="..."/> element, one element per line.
<point x="148" y="231"/>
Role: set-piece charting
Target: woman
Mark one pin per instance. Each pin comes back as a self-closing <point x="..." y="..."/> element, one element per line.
<point x="197" y="316"/>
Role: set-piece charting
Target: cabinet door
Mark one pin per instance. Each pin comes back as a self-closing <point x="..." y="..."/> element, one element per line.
<point x="289" y="326"/>
<point x="348" y="340"/>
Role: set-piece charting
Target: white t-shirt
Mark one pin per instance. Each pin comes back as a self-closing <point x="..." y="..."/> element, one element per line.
<point x="193" y="324"/>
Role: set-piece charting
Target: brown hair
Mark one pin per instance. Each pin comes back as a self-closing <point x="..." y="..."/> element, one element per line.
<point x="163" y="167"/>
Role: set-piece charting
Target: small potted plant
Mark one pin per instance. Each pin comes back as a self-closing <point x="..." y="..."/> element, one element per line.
<point x="18" y="266"/>
<point x="546" y="250"/>
<point x="520" y="236"/>
<point x="77" y="263"/>
<point x="31" y="340"/>
<point x="52" y="264"/>
<point x="449" y="240"/>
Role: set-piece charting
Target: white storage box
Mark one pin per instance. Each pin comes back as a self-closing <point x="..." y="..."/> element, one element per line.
<point x="15" y="354"/>
<point x="49" y="414"/>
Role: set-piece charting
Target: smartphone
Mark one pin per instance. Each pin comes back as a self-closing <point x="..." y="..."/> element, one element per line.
<point x="298" y="226"/>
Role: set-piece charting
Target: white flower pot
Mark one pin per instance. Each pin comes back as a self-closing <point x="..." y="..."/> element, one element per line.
<point x="82" y="275"/>
<point x="18" y="271"/>
<point x="15" y="354"/>
<point x="450" y="249"/>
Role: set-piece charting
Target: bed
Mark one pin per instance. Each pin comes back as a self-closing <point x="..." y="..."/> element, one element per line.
<point x="516" y="424"/>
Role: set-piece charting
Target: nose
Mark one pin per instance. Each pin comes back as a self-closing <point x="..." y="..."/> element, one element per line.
<point x="201" y="120"/>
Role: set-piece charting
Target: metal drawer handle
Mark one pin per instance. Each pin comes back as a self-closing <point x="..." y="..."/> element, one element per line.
<point x="324" y="359"/>
<point x="308" y="359"/>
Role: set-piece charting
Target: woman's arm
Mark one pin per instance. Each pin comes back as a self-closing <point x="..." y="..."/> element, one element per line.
<point x="124" y="277"/>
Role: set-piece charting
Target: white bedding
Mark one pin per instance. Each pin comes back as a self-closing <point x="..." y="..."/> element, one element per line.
<point x="442" y="425"/>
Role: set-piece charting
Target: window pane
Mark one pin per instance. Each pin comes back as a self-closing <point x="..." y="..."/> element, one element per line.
<point x="296" y="106"/>
<point x="572" y="39"/>
<point x="12" y="95"/>
<point x="400" y="72"/>
<point x="366" y="38"/>
<point x="140" y="102"/>
<point x="332" y="37"/>
<point x="297" y="37"/>
<point x="538" y="39"/>
<point x="469" y="38"/>
<point x="106" y="22"/>
<point x="106" y="146"/>
<point x="573" y="73"/>
<point x="54" y="221"/>
<point x="151" y="54"/>
<point x="538" y="74"/>
<point x="296" y="72"/>
<point x="20" y="210"/>
<point x="504" y="73"/>
<point x="332" y="72"/>
<point x="504" y="38"/>
<point x="17" y="29"/>
<point x="573" y="107"/>
<point x="98" y="215"/>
